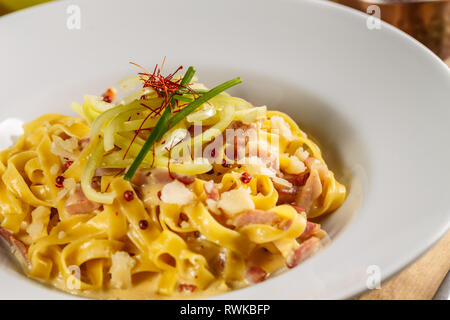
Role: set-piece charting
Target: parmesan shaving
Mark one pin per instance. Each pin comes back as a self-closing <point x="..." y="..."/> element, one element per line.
<point x="236" y="201"/>
<point x="176" y="192"/>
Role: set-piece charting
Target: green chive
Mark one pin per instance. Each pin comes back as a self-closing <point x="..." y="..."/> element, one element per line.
<point x="182" y="98"/>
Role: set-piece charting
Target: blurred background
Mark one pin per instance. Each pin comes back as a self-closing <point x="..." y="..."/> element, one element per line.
<point x="426" y="20"/>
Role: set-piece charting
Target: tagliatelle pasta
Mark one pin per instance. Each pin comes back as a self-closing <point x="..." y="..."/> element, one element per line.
<point x="223" y="199"/>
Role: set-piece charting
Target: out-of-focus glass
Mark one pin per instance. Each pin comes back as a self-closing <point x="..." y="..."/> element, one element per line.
<point x="426" y="20"/>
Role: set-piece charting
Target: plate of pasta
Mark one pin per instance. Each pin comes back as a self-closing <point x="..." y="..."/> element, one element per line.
<point x="173" y="170"/>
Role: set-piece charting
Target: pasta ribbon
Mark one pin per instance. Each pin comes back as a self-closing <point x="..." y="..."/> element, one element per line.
<point x="202" y="215"/>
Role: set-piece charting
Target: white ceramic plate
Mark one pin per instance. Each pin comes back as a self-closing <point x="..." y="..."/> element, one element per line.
<point x="376" y="100"/>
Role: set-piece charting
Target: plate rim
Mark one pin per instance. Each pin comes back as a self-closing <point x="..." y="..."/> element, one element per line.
<point x="395" y="267"/>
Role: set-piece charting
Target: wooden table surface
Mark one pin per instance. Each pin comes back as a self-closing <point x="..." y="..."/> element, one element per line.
<point x="421" y="279"/>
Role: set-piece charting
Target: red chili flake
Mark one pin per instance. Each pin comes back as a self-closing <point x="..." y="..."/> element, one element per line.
<point x="68" y="163"/>
<point x="159" y="194"/>
<point x="109" y="95"/>
<point x="213" y="153"/>
<point x="163" y="142"/>
<point x="225" y="164"/>
<point x="246" y="177"/>
<point x="117" y="213"/>
<point x="59" y="181"/>
<point x="131" y="254"/>
<point x="128" y="195"/>
<point x="143" y="224"/>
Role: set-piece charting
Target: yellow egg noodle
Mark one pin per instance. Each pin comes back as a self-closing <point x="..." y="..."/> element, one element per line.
<point x="195" y="220"/>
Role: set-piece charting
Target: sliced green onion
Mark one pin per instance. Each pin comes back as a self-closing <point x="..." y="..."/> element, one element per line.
<point x="88" y="173"/>
<point x="182" y="98"/>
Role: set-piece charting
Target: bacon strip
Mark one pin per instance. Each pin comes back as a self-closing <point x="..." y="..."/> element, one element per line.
<point x="304" y="251"/>
<point x="289" y="195"/>
<point x="77" y="203"/>
<point x="141" y="177"/>
<point x="315" y="164"/>
<point x="311" y="191"/>
<point x="83" y="143"/>
<point x="211" y="190"/>
<point x="185" y="287"/>
<point x="255" y="274"/>
<point x="17" y="247"/>
<point x="310" y="228"/>
<point x="193" y="129"/>
<point x="256" y="217"/>
<point x="298" y="180"/>
<point x="186" y="180"/>
<point x="286" y="195"/>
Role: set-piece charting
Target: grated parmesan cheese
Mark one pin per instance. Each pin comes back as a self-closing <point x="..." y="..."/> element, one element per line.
<point x="256" y="165"/>
<point x="69" y="186"/>
<point x="64" y="148"/>
<point x="282" y="183"/>
<point x="70" y="122"/>
<point x="176" y="192"/>
<point x="213" y="206"/>
<point x="295" y="166"/>
<point x="121" y="266"/>
<point x="40" y="217"/>
<point x="236" y="201"/>
<point x="283" y="127"/>
<point x="54" y="169"/>
<point x="301" y="154"/>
